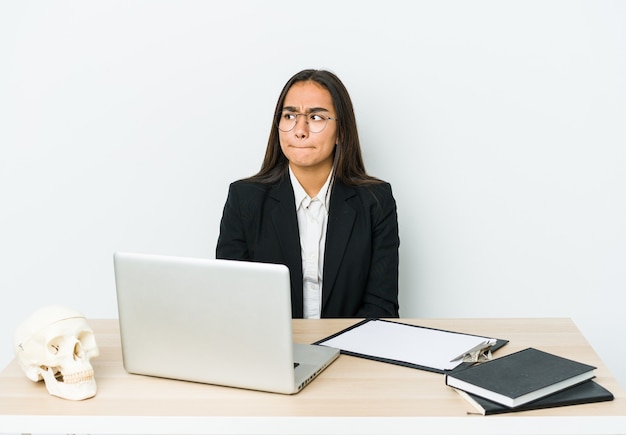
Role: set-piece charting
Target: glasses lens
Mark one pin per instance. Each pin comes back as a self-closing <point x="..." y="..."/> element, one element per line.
<point x="288" y="120"/>
<point x="316" y="123"/>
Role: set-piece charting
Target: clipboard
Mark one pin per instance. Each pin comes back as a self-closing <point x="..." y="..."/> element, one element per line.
<point x="414" y="346"/>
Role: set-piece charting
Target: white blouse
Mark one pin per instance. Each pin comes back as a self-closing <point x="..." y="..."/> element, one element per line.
<point x="312" y="223"/>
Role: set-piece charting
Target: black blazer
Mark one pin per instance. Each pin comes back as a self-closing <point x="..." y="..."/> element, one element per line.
<point x="259" y="223"/>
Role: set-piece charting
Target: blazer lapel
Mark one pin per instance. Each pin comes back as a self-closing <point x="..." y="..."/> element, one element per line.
<point x="340" y="222"/>
<point x="285" y="224"/>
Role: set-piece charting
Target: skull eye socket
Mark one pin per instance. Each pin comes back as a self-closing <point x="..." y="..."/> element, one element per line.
<point x="54" y="346"/>
<point x="87" y="339"/>
<point x="78" y="351"/>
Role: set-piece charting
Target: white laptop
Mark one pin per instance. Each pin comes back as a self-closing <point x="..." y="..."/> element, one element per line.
<point x="220" y="322"/>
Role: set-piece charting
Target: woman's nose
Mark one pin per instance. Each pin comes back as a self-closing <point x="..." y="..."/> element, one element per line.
<point x="302" y="128"/>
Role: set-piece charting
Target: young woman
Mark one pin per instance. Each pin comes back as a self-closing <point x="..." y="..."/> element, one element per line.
<point x="313" y="207"/>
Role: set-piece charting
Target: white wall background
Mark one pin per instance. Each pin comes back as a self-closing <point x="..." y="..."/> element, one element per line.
<point x="501" y="126"/>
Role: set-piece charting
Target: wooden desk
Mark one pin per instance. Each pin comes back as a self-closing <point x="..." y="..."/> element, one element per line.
<point x="352" y="396"/>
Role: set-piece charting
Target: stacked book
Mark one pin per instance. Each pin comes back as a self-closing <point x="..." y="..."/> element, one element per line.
<point x="524" y="380"/>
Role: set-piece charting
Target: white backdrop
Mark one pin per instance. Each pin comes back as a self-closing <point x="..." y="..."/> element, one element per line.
<point x="501" y="126"/>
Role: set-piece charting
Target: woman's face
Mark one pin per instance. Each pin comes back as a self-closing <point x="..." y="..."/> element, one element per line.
<point x="306" y="150"/>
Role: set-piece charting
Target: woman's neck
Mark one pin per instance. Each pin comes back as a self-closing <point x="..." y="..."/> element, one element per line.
<point x="311" y="179"/>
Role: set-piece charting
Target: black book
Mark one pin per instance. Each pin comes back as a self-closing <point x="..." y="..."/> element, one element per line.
<point x="520" y="377"/>
<point x="587" y="392"/>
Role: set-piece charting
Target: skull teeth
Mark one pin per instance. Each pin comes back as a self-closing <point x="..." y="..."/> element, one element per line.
<point x="77" y="377"/>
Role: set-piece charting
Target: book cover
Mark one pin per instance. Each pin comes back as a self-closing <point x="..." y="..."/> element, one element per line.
<point x="587" y="392"/>
<point x="520" y="377"/>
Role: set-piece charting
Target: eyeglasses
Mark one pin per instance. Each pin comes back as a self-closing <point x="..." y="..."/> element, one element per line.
<point x="315" y="122"/>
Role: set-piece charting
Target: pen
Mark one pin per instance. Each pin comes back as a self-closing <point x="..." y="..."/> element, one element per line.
<point x="480" y="346"/>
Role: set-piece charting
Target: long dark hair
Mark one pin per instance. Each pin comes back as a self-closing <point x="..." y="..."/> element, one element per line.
<point x="348" y="164"/>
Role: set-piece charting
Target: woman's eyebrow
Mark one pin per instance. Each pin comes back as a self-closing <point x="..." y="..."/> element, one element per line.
<point x="310" y="110"/>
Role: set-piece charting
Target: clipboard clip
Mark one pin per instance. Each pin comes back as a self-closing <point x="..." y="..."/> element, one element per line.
<point x="479" y="353"/>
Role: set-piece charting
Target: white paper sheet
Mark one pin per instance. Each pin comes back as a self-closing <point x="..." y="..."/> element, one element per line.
<point x="401" y="342"/>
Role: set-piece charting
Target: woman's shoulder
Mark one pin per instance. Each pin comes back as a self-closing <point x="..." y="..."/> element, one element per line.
<point x="373" y="193"/>
<point x="245" y="183"/>
<point x="376" y="187"/>
<point x="249" y="187"/>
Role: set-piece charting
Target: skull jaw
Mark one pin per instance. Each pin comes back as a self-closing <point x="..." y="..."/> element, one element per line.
<point x="81" y="390"/>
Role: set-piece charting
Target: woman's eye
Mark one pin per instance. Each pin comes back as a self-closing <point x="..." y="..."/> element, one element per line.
<point x="314" y="117"/>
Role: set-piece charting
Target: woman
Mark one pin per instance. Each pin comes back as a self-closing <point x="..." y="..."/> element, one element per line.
<point x="313" y="207"/>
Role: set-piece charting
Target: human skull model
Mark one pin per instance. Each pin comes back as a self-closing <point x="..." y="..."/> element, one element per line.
<point x="56" y="344"/>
